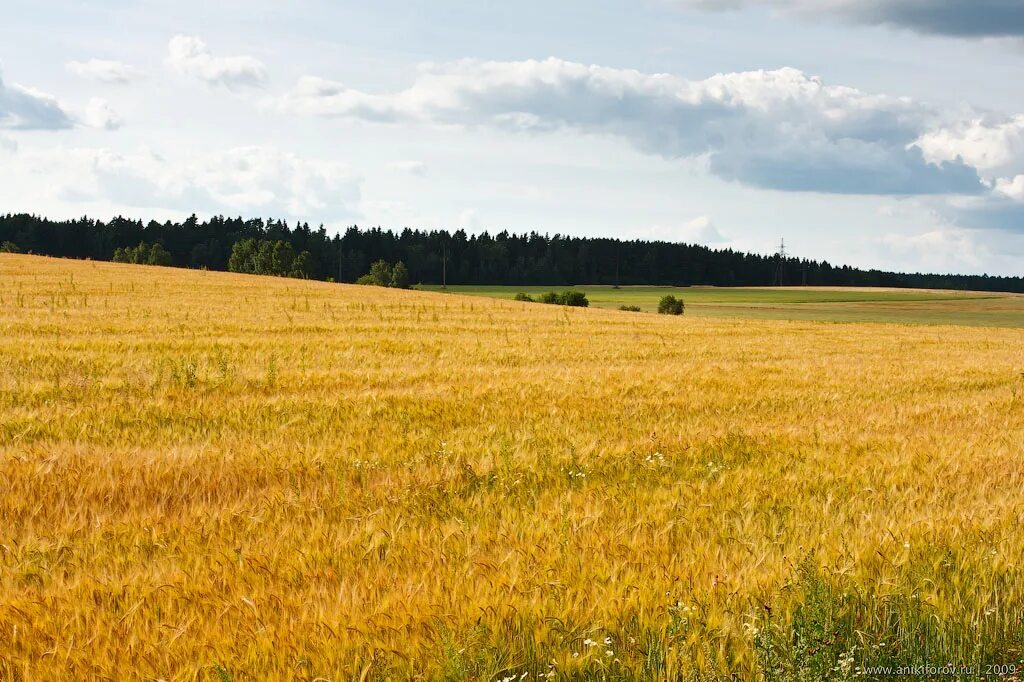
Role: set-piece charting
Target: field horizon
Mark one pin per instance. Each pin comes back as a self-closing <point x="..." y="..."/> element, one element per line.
<point x="218" y="476"/>
<point x="811" y="303"/>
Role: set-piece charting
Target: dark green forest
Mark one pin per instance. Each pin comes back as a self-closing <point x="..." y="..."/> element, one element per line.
<point x="438" y="256"/>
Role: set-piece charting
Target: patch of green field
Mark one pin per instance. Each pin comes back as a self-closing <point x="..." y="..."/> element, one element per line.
<point x="823" y="304"/>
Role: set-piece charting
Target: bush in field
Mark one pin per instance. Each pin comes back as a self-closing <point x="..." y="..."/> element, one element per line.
<point x="670" y="305"/>
<point x="9" y="247"/>
<point x="550" y="297"/>
<point x="158" y="255"/>
<point x="383" y="274"/>
<point x="630" y="308"/>
<point x="526" y="298"/>
<point x="399" y="276"/>
<point x="574" y="299"/>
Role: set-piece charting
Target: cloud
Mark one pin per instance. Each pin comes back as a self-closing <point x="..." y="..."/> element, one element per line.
<point x="945" y="249"/>
<point x="252" y="180"/>
<point x="700" y="230"/>
<point x="965" y="18"/>
<point x="7" y="145"/>
<point x="470" y="221"/>
<point x="105" y="71"/>
<point x="417" y="168"/>
<point x="778" y="129"/>
<point x="243" y="180"/>
<point x="1001" y="210"/>
<point x="993" y="145"/>
<point x="98" y="114"/>
<point x="23" y="108"/>
<point x="189" y="56"/>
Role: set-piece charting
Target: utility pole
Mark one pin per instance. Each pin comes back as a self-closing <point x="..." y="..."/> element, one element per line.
<point x="780" y="271"/>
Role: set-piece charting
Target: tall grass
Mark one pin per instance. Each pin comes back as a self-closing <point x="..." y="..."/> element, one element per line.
<point x="202" y="479"/>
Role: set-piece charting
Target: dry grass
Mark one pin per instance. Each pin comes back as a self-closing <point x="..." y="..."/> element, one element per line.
<point x="212" y="476"/>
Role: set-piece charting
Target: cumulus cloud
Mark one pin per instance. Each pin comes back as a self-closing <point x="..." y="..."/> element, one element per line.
<point x="8" y="145"/>
<point x="945" y="249"/>
<point x="699" y="230"/>
<point x="702" y="230"/>
<point x="777" y="129"/>
<point x="23" y="108"/>
<point x="250" y="180"/>
<point x="995" y="146"/>
<point x="105" y="71"/>
<point x="98" y="114"/>
<point x="242" y="180"/>
<point x="470" y="221"/>
<point x="967" y="18"/>
<point x="190" y="56"/>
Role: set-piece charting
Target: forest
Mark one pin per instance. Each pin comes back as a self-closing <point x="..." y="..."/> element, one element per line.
<point x="443" y="257"/>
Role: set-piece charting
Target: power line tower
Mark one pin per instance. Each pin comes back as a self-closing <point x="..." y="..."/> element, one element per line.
<point x="780" y="266"/>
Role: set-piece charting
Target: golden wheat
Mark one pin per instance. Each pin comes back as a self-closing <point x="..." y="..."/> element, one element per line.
<point x="213" y="476"/>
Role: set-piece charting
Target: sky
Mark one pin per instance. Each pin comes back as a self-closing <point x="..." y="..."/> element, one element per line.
<point x="876" y="133"/>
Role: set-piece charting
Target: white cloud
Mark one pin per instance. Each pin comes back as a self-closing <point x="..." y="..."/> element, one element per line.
<point x="417" y="168"/>
<point x="243" y="180"/>
<point x="98" y="114"/>
<point x="469" y="220"/>
<point x="775" y="129"/>
<point x="993" y="147"/>
<point x="940" y="250"/>
<point x="967" y="18"/>
<point x="189" y="56"/>
<point x="699" y="230"/>
<point x="8" y="145"/>
<point x="24" y="108"/>
<point x="105" y="71"/>
<point x="1011" y="187"/>
<point x="702" y="230"/>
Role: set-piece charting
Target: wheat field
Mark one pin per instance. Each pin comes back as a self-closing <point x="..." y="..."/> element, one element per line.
<point x="206" y="476"/>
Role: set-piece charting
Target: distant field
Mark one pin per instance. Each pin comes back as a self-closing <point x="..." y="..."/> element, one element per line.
<point x="207" y="476"/>
<point x="811" y="303"/>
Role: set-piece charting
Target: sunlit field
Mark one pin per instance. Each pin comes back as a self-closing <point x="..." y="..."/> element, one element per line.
<point x="822" y="304"/>
<point x="228" y="477"/>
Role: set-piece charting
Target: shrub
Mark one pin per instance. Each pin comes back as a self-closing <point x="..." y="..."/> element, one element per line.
<point x="575" y="299"/>
<point x="378" y="276"/>
<point x="526" y="298"/>
<point x="383" y="274"/>
<point x="549" y="297"/>
<point x="158" y="255"/>
<point x="399" y="276"/>
<point x="670" y="305"/>
<point x="9" y="247"/>
<point x="630" y="308"/>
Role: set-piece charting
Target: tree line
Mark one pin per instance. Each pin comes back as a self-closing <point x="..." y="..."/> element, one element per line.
<point x="440" y="256"/>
